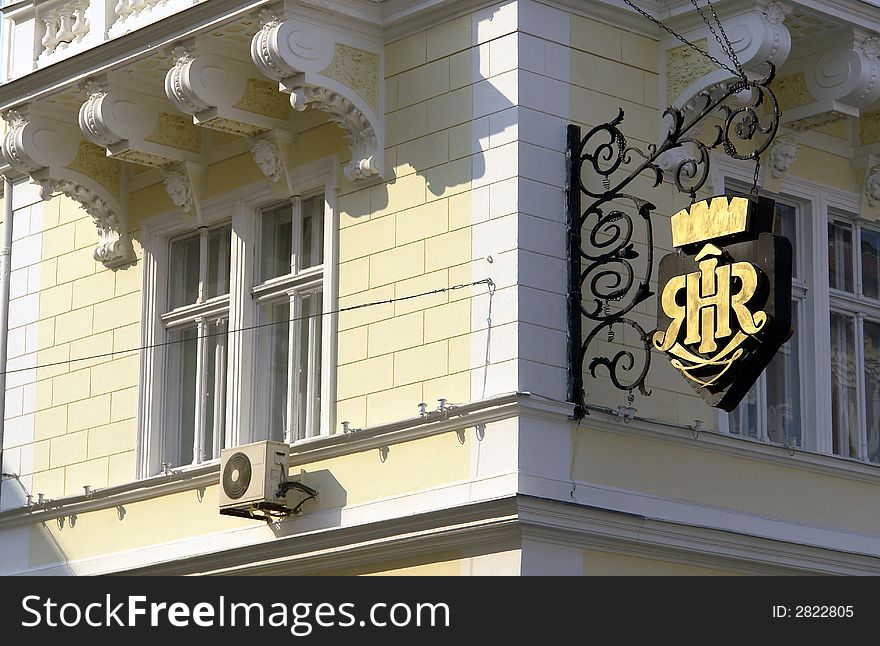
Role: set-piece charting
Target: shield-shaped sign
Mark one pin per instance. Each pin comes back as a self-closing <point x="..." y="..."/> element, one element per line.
<point x="725" y="296"/>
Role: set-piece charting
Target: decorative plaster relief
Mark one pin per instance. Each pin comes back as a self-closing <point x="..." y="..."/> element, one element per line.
<point x="869" y="128"/>
<point x="176" y="132"/>
<point x="683" y="67"/>
<point x="92" y="160"/>
<point x="791" y="91"/>
<point x="872" y="186"/>
<point x="267" y="156"/>
<point x="179" y="190"/>
<point x="782" y="154"/>
<point x="264" y="98"/>
<point x="358" y="70"/>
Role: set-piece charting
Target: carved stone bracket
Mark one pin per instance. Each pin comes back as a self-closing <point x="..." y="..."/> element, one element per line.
<point x="54" y="156"/>
<point x="272" y="153"/>
<point x="783" y="153"/>
<point x="758" y="36"/>
<point x="223" y="94"/>
<point x="338" y="73"/>
<point x="137" y="127"/>
<point x="183" y="184"/>
<point x="834" y="84"/>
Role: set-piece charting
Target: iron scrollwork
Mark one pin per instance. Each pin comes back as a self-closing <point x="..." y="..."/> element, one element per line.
<point x="604" y="284"/>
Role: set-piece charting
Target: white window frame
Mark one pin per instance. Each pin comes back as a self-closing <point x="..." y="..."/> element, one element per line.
<point x="816" y="201"/>
<point x="860" y="308"/>
<point x="242" y="207"/>
<point x="200" y="314"/>
<point x="296" y="285"/>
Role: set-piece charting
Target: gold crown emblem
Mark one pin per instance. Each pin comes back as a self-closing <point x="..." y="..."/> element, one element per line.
<point x="709" y="219"/>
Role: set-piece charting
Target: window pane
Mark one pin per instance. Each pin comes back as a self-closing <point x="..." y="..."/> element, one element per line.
<point x="276" y="242"/>
<point x="271" y="372"/>
<point x="783" y="391"/>
<point x="184" y="274"/>
<point x="309" y="390"/>
<point x="219" y="243"/>
<point x="215" y="389"/>
<point x="840" y="270"/>
<point x="312" y="232"/>
<point x="871" y="263"/>
<point x="872" y="389"/>
<point x="744" y="420"/>
<point x="785" y="225"/>
<point x="181" y="380"/>
<point x="843" y="386"/>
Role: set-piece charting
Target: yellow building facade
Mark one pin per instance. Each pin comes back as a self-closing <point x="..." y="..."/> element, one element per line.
<point x="341" y="226"/>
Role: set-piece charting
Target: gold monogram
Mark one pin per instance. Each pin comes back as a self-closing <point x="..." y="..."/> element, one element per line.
<point x="717" y="303"/>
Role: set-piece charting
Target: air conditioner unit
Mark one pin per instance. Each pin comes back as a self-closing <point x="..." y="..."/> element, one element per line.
<point x="251" y="478"/>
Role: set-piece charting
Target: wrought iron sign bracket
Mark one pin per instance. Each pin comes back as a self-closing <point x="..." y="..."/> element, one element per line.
<point x="604" y="284"/>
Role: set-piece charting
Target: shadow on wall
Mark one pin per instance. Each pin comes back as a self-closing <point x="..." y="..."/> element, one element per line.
<point x="30" y="549"/>
<point x="324" y="512"/>
<point x="464" y="140"/>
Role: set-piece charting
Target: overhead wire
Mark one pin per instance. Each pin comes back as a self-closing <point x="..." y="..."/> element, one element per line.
<point x="485" y="281"/>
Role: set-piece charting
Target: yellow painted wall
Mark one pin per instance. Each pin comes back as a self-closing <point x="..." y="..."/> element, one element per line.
<point x="409" y="235"/>
<point x="344" y="481"/>
<point x="718" y="480"/>
<point x="85" y="423"/>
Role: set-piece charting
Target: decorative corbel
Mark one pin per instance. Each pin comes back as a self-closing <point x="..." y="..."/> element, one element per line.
<point x="272" y="154"/>
<point x="183" y="183"/>
<point x="53" y="155"/>
<point x="783" y="153"/>
<point x="837" y="83"/>
<point x="136" y="127"/>
<point x="222" y="94"/>
<point x="329" y="70"/>
<point x="779" y="159"/>
<point x="758" y="36"/>
<point x="872" y="183"/>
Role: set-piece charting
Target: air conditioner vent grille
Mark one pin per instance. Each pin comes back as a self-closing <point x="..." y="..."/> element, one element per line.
<point x="237" y="476"/>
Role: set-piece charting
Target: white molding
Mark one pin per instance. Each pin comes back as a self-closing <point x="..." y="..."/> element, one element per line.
<point x="309" y="450"/>
<point x="381" y="533"/>
<point x="634" y="524"/>
<point x="242" y="206"/>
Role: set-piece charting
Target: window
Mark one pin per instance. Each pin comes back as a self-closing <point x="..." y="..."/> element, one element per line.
<point x="771" y="411"/>
<point x="289" y="300"/>
<point x="236" y="341"/>
<point x="196" y="326"/>
<point x="853" y="262"/>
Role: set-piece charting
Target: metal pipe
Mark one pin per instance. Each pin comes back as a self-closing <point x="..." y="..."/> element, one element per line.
<point x="5" y="268"/>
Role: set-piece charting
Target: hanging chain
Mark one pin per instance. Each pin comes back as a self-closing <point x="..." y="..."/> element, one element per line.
<point x="725" y="44"/>
<point x="684" y="40"/>
<point x="731" y="50"/>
